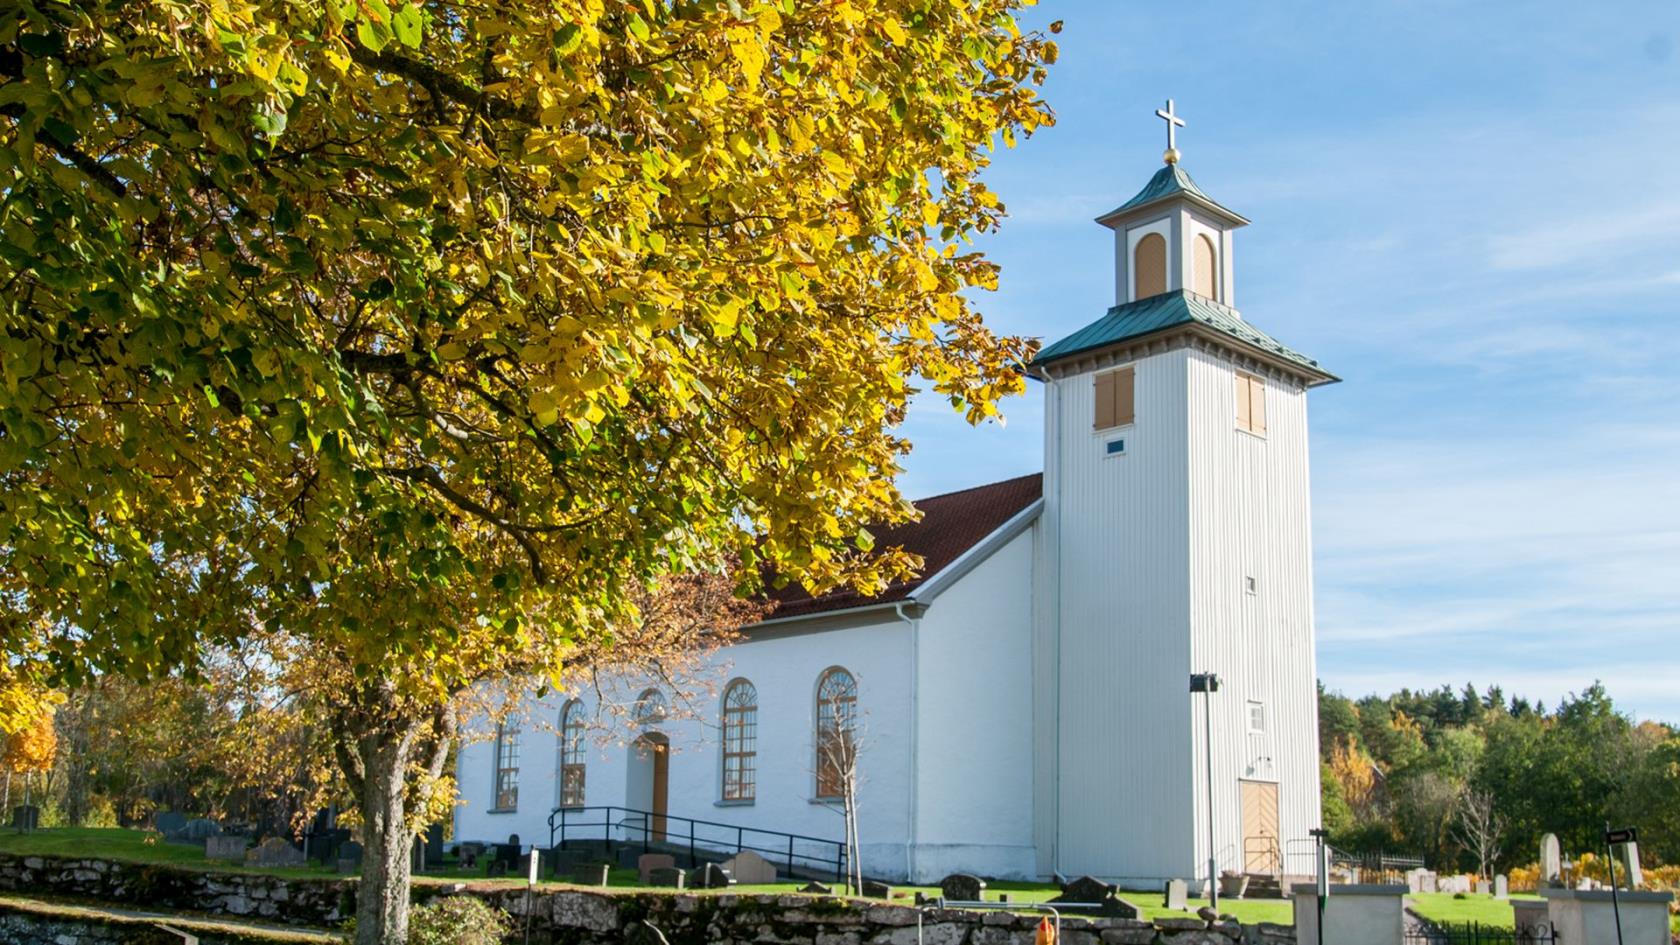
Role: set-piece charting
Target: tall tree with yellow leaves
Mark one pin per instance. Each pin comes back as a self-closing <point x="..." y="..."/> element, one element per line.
<point x="422" y="331"/>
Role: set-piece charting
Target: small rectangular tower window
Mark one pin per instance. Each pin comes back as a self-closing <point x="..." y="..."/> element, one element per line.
<point x="1251" y="403"/>
<point x="1113" y="399"/>
<point x="1257" y="718"/>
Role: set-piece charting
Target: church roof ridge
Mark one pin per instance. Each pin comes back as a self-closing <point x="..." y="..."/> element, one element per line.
<point x="1170" y="181"/>
<point x="1170" y="310"/>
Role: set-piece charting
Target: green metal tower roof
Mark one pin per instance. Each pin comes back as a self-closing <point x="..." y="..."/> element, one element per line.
<point x="1171" y="181"/>
<point x="1171" y="310"/>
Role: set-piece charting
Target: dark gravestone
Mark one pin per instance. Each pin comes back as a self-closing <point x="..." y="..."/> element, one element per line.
<point x="668" y="876"/>
<point x="170" y="823"/>
<point x="468" y="853"/>
<point x="709" y="876"/>
<point x="591" y="874"/>
<point x="417" y="856"/>
<point x="875" y="890"/>
<point x="198" y="830"/>
<point x="508" y="855"/>
<point x="817" y="888"/>
<point x="434" y="847"/>
<point x="348" y="857"/>
<point x="496" y="868"/>
<point x="26" y="817"/>
<point x="273" y="852"/>
<point x="1093" y="891"/>
<point x="962" y="887"/>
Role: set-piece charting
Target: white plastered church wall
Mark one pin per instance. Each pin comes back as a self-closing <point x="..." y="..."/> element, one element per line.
<point x="974" y="770"/>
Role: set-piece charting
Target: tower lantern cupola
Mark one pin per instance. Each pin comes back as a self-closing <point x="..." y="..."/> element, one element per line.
<point x="1172" y="236"/>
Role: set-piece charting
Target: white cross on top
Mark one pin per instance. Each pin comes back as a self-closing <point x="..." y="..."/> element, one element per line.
<point x="1173" y="124"/>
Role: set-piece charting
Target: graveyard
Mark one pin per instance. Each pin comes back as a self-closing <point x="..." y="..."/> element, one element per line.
<point x="146" y="847"/>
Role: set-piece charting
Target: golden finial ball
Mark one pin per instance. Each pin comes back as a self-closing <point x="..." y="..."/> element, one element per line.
<point x="1171" y="157"/>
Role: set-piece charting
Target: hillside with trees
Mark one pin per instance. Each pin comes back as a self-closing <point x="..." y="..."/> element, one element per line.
<point x="1471" y="780"/>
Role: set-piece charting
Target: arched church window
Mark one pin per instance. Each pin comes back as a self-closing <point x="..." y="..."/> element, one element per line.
<point x="1206" y="268"/>
<point x="507" y="767"/>
<point x="651" y="708"/>
<point x="836" y="732"/>
<point x="571" y="754"/>
<point x="740" y="741"/>
<point x="1149" y="266"/>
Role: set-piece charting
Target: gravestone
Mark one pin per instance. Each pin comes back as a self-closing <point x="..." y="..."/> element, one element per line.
<point x="1176" y="894"/>
<point x="709" y="876"/>
<point x="508" y="854"/>
<point x="1551" y="862"/>
<point x="750" y="869"/>
<point x="1501" y="887"/>
<point x="468" y="853"/>
<point x="648" y="862"/>
<point x="590" y="874"/>
<point x="170" y="823"/>
<point x="198" y="830"/>
<point x="495" y="869"/>
<point x="876" y="890"/>
<point x="1085" y="889"/>
<point x="962" y="887"/>
<point x="1627" y="856"/>
<point x="275" y="851"/>
<point x="349" y="857"/>
<point x="820" y="889"/>
<point x="224" y="849"/>
<point x="417" y="856"/>
<point x="434" y="847"/>
<point x="26" y="817"/>
<point x="1090" y="890"/>
<point x="667" y="876"/>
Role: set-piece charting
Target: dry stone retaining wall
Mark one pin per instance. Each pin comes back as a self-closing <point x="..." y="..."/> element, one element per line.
<point x="293" y="901"/>
<point x="595" y="917"/>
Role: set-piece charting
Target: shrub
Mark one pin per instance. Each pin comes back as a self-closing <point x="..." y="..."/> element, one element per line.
<point x="457" y="920"/>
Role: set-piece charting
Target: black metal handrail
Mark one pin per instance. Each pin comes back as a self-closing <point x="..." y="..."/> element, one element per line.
<point x="708" y="835"/>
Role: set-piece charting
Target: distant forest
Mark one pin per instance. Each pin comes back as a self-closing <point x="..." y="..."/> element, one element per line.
<point x="1472" y="780"/>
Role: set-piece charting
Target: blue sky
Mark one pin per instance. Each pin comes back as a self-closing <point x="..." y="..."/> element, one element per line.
<point x="1471" y="213"/>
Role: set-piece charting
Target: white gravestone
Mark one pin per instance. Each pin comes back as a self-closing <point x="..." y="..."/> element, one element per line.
<point x="750" y="869"/>
<point x="1501" y="887"/>
<point x="1176" y="889"/>
<point x="1551" y="862"/>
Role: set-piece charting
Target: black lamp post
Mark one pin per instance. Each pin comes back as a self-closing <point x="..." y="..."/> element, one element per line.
<point x="1207" y="684"/>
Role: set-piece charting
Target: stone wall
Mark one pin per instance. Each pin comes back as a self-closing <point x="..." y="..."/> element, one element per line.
<point x="593" y="917"/>
<point x="300" y="900"/>
<point x="578" y="917"/>
<point x="36" y="928"/>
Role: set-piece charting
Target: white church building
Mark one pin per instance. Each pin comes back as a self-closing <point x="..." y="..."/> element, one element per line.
<point x="1024" y="707"/>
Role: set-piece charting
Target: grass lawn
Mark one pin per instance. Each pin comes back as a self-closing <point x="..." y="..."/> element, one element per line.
<point x="1473" y="907"/>
<point x="146" y="847"/>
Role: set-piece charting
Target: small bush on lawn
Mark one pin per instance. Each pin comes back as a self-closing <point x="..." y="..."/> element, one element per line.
<point x="457" y="920"/>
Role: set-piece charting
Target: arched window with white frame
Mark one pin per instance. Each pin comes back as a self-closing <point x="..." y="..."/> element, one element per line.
<point x="571" y="755"/>
<point x="740" y="741"/>
<point x="836" y="734"/>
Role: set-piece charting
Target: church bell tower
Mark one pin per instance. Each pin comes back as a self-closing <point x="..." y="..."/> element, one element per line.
<point x="1176" y="540"/>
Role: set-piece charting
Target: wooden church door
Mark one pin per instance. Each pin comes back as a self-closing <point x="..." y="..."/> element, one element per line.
<point x="1262" y="850"/>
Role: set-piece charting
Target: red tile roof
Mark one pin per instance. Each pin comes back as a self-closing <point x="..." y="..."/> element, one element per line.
<point x="951" y="524"/>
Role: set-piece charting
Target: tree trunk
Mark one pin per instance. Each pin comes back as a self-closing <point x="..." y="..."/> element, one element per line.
<point x="382" y="897"/>
<point x="380" y="742"/>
